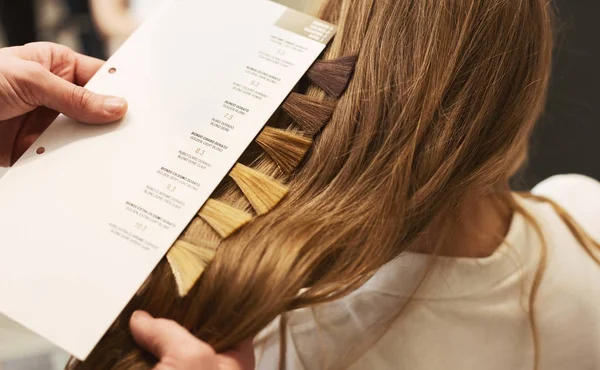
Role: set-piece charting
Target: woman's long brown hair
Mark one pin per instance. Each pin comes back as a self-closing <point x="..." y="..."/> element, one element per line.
<point x="444" y="97"/>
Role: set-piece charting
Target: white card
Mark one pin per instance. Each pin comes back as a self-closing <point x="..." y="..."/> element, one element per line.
<point x="83" y="224"/>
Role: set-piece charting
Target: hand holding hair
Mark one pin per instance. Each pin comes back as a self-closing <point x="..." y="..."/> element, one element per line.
<point x="177" y="349"/>
<point x="40" y="80"/>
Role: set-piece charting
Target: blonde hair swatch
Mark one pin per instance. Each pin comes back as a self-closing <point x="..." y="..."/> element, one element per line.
<point x="223" y="218"/>
<point x="188" y="261"/>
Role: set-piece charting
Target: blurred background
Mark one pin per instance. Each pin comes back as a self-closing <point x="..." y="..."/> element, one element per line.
<point x="566" y="141"/>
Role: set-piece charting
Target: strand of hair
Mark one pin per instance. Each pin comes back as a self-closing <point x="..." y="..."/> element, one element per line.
<point x="263" y="192"/>
<point x="308" y="113"/>
<point x="223" y="218"/>
<point x="333" y="76"/>
<point x="188" y="261"/>
<point x="286" y="148"/>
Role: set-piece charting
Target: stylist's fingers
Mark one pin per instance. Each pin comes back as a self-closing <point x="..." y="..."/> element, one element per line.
<point x="55" y="57"/>
<point x="74" y="101"/>
<point x="171" y="343"/>
<point x="86" y="68"/>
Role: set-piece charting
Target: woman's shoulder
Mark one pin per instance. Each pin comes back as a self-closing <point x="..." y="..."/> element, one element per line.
<point x="579" y="195"/>
<point x="570" y="186"/>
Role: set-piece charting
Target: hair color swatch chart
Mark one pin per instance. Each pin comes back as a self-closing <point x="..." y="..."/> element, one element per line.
<point x="85" y="221"/>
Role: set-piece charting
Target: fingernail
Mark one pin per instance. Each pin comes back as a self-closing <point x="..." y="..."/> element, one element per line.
<point x="114" y="105"/>
<point x="140" y="316"/>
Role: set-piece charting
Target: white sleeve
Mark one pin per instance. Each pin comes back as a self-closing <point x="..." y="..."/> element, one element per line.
<point x="578" y="195"/>
<point x="331" y="335"/>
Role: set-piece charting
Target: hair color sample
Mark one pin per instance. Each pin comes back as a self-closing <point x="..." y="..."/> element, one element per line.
<point x="188" y="261"/>
<point x="284" y="147"/>
<point x="223" y="218"/>
<point x="308" y="113"/>
<point x="263" y="192"/>
<point x="332" y="75"/>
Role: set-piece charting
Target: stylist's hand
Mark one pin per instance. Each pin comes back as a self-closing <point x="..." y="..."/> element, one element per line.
<point x="177" y="349"/>
<point x="37" y="81"/>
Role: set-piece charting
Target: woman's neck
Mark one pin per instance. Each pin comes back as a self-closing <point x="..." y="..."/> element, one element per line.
<point x="478" y="229"/>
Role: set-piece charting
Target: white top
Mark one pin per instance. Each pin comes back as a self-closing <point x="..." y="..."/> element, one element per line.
<point x="470" y="313"/>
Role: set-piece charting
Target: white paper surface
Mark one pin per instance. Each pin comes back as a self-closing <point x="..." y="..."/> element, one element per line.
<point x="83" y="225"/>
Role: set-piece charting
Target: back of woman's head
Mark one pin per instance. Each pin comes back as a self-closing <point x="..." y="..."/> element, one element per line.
<point x="443" y="98"/>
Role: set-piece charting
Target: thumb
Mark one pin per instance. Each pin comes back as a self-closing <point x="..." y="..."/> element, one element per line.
<point x="152" y="335"/>
<point x="166" y="338"/>
<point x="77" y="102"/>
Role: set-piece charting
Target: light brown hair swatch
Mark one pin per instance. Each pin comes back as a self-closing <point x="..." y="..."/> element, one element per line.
<point x="308" y="113"/>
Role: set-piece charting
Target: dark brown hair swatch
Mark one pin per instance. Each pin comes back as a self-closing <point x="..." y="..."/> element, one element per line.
<point x="333" y="75"/>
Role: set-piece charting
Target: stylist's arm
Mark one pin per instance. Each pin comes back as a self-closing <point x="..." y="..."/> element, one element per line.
<point x="177" y="349"/>
<point x="40" y="80"/>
